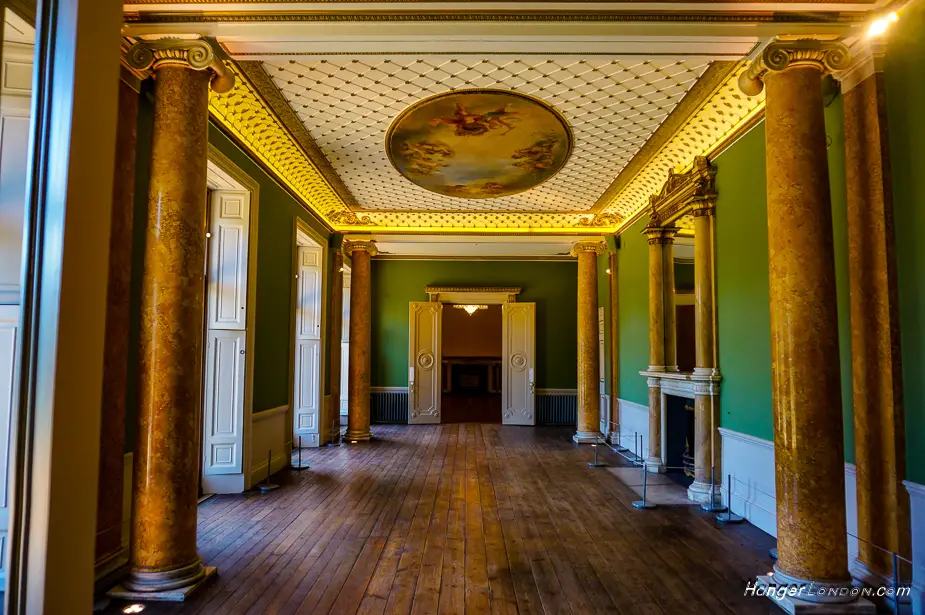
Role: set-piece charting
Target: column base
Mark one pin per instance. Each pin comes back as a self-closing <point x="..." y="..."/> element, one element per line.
<point x="700" y="493"/>
<point x="773" y="589"/>
<point x="358" y="436"/>
<point x="655" y="465"/>
<point x="587" y="437"/>
<point x="176" y="594"/>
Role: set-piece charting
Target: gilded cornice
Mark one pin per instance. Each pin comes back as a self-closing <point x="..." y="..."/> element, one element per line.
<point x="723" y="118"/>
<point x="684" y="192"/>
<point x="267" y="89"/>
<point x="318" y="15"/>
<point x="244" y="114"/>
<point x="703" y="91"/>
<point x="826" y="56"/>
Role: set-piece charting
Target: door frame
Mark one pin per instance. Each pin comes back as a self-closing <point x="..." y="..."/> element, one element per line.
<point x="224" y="174"/>
<point x="302" y="236"/>
<point x="465" y="295"/>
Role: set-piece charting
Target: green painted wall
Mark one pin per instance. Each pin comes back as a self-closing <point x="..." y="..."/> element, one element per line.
<point x="633" y="289"/>
<point x="553" y="286"/>
<point x="742" y="280"/>
<point x="742" y="299"/>
<point x="905" y="90"/>
<point x="276" y="232"/>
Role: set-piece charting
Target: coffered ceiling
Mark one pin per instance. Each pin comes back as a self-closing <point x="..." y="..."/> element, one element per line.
<point x="644" y="92"/>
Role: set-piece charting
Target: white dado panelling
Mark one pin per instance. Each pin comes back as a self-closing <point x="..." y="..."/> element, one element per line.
<point x="270" y="432"/>
<point x="634" y="423"/>
<point x="917" y="518"/>
<point x="750" y="461"/>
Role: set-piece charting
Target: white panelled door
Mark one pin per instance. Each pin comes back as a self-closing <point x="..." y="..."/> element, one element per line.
<point x="424" y="363"/>
<point x="345" y="343"/>
<point x="226" y="333"/>
<point x="518" y="370"/>
<point x="224" y="402"/>
<point x="228" y="260"/>
<point x="307" y="394"/>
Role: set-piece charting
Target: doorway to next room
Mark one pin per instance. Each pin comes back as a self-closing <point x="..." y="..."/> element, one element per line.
<point x="471" y="363"/>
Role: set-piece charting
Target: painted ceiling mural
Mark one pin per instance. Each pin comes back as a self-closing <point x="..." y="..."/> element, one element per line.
<point x="479" y="143"/>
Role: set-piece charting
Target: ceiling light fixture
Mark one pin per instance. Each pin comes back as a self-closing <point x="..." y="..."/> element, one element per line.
<point x="608" y="272"/>
<point x="134" y="608"/>
<point x="881" y="25"/>
<point x="471" y="309"/>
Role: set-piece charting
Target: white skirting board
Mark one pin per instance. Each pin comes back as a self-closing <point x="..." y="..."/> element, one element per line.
<point x="634" y="424"/>
<point x="271" y="432"/>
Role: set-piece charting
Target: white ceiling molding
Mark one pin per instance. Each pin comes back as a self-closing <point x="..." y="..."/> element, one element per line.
<point x="459" y="247"/>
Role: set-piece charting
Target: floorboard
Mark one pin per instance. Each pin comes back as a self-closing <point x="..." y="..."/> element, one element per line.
<point x="466" y="519"/>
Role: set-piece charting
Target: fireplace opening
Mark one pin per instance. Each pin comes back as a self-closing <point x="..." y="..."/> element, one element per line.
<point x="679" y="439"/>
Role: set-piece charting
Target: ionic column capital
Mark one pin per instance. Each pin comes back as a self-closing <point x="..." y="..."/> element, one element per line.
<point x="661" y="235"/>
<point x="597" y="247"/>
<point x="826" y="56"/>
<point x="867" y="57"/>
<point x="360" y="246"/>
<point x="192" y="53"/>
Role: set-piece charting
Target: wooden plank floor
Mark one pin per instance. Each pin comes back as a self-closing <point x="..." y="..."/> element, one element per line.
<point x="466" y="518"/>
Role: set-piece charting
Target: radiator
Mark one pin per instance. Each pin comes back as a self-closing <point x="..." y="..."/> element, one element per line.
<point x="388" y="406"/>
<point x="556" y="409"/>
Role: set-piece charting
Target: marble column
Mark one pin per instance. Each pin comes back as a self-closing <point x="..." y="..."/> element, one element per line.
<point x="707" y="441"/>
<point x="808" y="436"/>
<point x="164" y="557"/>
<point x="589" y="360"/>
<point x="115" y="350"/>
<point x="335" y="335"/>
<point x="361" y="253"/>
<point x="661" y="262"/>
<point x="876" y="364"/>
<point x="671" y="315"/>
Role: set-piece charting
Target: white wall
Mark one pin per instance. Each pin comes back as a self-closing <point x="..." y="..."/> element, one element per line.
<point x="270" y="432"/>
<point x="634" y="422"/>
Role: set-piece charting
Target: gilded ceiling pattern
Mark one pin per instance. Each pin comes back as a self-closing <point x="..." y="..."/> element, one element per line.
<point x="613" y="107"/>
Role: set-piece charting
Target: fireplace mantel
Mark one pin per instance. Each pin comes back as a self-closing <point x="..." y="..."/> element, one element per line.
<point x="685" y="384"/>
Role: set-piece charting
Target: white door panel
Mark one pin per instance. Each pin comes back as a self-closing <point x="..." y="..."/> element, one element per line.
<point x="344" y="377"/>
<point x="307" y="396"/>
<point x="424" y="363"/>
<point x="224" y="402"/>
<point x="228" y="252"/>
<point x="308" y="307"/>
<point x="518" y="369"/>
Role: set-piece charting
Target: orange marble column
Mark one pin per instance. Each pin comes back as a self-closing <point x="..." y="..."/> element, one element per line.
<point x="360" y="365"/>
<point x="165" y="492"/>
<point x="707" y="440"/>
<point x="335" y="335"/>
<point x="661" y="285"/>
<point x="589" y="361"/>
<point x="808" y="437"/>
<point x="115" y="351"/>
<point x="876" y="369"/>
<point x="671" y="315"/>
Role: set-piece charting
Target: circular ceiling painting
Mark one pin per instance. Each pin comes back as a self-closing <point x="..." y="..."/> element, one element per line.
<point x="479" y="144"/>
